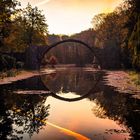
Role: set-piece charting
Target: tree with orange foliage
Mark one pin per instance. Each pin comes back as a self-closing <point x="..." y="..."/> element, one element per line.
<point x="53" y="61"/>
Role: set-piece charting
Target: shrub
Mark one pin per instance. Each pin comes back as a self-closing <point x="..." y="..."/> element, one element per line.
<point x="11" y="73"/>
<point x="3" y="62"/>
<point x="7" y="62"/>
<point x="19" y="65"/>
<point x="53" y="60"/>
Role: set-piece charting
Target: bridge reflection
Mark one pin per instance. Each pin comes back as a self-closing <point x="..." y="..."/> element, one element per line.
<point x="21" y="109"/>
<point x="78" y="81"/>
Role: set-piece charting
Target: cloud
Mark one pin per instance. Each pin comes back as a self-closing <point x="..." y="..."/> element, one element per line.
<point x="42" y="2"/>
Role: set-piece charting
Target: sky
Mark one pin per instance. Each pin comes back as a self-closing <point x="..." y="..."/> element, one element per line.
<point x="71" y="16"/>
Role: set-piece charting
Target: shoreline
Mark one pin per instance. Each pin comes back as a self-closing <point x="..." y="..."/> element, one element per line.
<point x="122" y="81"/>
<point x="23" y="74"/>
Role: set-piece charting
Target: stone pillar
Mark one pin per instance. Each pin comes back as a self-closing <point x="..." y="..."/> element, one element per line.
<point x="32" y="61"/>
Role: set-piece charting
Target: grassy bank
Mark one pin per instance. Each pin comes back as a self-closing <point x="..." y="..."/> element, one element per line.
<point x="9" y="73"/>
<point x="135" y="77"/>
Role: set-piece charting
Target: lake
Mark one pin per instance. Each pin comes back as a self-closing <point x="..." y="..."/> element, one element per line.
<point x="68" y="104"/>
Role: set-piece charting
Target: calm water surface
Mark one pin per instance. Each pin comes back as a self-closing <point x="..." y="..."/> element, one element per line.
<point x="69" y="104"/>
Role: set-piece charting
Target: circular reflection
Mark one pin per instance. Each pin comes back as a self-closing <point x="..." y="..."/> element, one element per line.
<point x="63" y="81"/>
<point x="78" y="81"/>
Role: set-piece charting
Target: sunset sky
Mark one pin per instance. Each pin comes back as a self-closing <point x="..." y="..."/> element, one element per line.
<point x="71" y="16"/>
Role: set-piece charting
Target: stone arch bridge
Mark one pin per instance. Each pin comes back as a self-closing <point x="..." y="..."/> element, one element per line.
<point x="34" y="54"/>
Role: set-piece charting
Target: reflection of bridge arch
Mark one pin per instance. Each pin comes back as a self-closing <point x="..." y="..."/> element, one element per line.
<point x="70" y="40"/>
<point x="94" y="89"/>
<point x="70" y="99"/>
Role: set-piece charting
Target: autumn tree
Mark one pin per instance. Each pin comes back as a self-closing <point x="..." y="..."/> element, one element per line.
<point x="34" y="25"/>
<point x="98" y="20"/>
<point x="29" y="28"/>
<point x="53" y="61"/>
<point x="133" y="37"/>
<point x="7" y="9"/>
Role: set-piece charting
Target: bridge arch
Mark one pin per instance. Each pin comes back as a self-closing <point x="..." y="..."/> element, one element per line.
<point x="71" y="40"/>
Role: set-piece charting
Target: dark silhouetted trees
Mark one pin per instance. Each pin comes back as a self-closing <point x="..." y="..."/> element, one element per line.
<point x="7" y="10"/>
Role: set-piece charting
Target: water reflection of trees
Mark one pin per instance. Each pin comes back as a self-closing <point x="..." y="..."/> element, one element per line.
<point x="118" y="107"/>
<point x="5" y="121"/>
<point x="18" y="113"/>
<point x="65" y="81"/>
<point x="21" y="114"/>
<point x="108" y="103"/>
